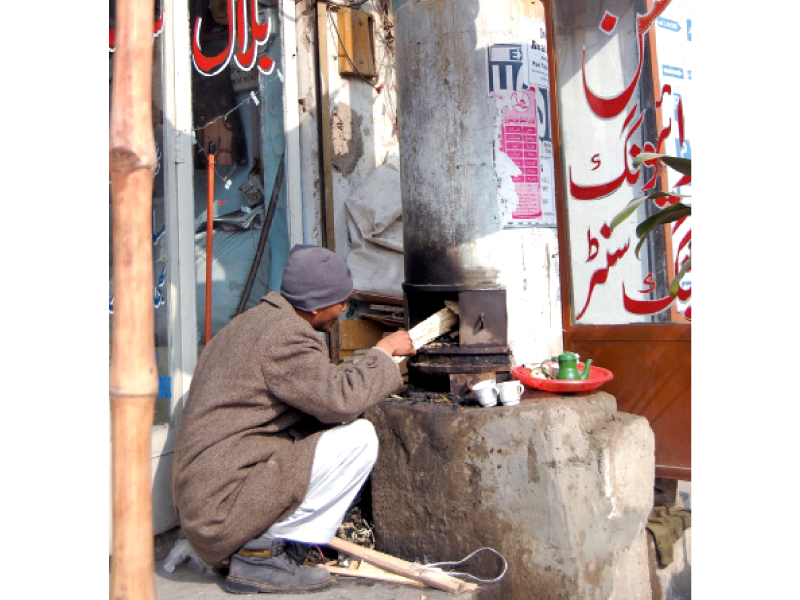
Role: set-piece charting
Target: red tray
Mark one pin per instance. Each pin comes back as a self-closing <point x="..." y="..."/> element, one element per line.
<point x="597" y="377"/>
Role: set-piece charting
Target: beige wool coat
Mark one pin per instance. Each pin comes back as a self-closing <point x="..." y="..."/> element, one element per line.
<point x="262" y="394"/>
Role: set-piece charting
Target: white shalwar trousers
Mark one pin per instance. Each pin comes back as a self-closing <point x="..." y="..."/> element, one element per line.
<point x="343" y="459"/>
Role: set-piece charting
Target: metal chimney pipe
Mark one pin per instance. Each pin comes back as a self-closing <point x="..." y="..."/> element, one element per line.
<point x="446" y="134"/>
<point x="447" y="131"/>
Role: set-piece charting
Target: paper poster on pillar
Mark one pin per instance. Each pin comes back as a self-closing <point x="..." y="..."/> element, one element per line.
<point x="523" y="159"/>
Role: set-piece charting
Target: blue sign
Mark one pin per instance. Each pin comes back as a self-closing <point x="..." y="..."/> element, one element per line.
<point x="668" y="24"/>
<point x="670" y="71"/>
<point x="164" y="388"/>
<point x="505" y="65"/>
<point x="683" y="151"/>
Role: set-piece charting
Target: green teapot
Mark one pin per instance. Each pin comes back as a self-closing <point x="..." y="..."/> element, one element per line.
<point x="568" y="366"/>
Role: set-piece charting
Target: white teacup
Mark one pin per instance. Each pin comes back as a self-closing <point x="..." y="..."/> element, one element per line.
<point x="486" y="392"/>
<point x="510" y="392"/>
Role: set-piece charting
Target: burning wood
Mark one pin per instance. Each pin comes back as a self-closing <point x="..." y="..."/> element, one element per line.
<point x="437" y="324"/>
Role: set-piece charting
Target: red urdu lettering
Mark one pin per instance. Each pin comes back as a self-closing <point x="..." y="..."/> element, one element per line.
<point x="211" y="65"/>
<point x="608" y="23"/>
<point x="244" y="56"/>
<point x="643" y="22"/>
<point x="686" y="239"/>
<point x="593" y="192"/>
<point x="594" y="246"/>
<point x="685" y="180"/>
<point x="651" y="285"/>
<point x="608" y="108"/>
<point x="600" y="276"/>
<point x="680" y="221"/>
<point x="630" y="116"/>
<point x="260" y="30"/>
<point x="665" y="89"/>
<point x="633" y="176"/>
<point x="644" y="307"/>
<point x="265" y="65"/>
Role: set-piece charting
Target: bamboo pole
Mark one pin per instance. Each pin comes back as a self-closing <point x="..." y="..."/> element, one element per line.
<point x="133" y="382"/>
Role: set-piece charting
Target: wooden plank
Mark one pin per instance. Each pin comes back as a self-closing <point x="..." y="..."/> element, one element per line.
<point x="389" y="321"/>
<point x="357" y="333"/>
<point x="356" y="54"/>
<point x="386" y="308"/>
<point x="372" y="298"/>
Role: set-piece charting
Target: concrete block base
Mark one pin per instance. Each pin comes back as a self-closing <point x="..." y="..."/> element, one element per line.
<point x="561" y="486"/>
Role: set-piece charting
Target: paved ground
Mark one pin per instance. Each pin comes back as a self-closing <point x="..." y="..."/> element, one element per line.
<point x="185" y="584"/>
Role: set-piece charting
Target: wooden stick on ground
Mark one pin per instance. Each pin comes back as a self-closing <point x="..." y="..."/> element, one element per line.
<point x="433" y="578"/>
<point x="368" y="571"/>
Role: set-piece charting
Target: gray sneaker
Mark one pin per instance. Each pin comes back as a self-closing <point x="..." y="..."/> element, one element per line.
<point x="264" y="565"/>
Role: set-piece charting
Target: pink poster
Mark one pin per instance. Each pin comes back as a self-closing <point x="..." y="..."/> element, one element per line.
<point x="519" y="140"/>
<point x="523" y="152"/>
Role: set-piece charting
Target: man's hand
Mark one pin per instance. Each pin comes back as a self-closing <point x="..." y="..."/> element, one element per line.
<point x="397" y="344"/>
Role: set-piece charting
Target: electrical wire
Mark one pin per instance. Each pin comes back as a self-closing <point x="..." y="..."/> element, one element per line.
<point x="378" y="88"/>
<point x="344" y="4"/>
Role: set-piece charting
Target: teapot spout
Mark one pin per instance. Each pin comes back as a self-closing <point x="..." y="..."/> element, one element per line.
<point x="586" y="369"/>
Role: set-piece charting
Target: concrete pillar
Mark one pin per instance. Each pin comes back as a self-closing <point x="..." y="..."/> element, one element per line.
<point x="561" y="486"/>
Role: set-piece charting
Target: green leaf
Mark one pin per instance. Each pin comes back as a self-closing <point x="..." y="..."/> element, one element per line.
<point x="626" y="212"/>
<point x="668" y="215"/>
<point x="682" y="165"/>
<point x="631" y="207"/>
<point x="673" y="287"/>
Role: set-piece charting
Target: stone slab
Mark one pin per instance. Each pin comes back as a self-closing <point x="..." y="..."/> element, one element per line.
<point x="561" y="486"/>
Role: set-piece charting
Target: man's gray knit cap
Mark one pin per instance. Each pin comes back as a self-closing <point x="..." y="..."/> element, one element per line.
<point x="315" y="277"/>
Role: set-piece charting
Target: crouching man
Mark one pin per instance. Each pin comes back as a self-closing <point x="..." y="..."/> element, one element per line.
<point x="270" y="453"/>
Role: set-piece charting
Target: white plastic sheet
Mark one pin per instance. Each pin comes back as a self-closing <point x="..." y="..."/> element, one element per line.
<point x="375" y="228"/>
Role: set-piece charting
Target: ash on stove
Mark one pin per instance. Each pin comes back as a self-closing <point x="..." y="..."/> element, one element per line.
<point x="416" y="396"/>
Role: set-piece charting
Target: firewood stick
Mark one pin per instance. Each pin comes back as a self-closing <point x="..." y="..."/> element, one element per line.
<point x="133" y="382"/>
<point x="375" y="573"/>
<point x="428" y="576"/>
<point x="437" y="324"/>
<point x="432" y="327"/>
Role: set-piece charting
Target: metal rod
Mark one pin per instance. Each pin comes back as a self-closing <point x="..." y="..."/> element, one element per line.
<point x="262" y="240"/>
<point x="209" y="237"/>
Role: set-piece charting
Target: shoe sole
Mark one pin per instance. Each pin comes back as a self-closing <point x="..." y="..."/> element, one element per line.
<point x="245" y="586"/>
